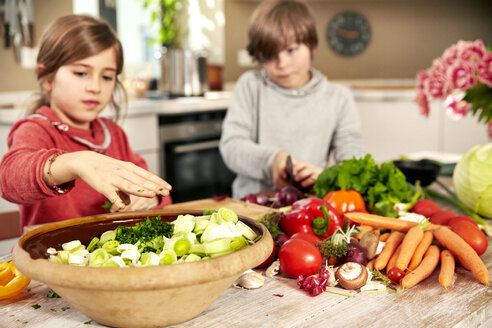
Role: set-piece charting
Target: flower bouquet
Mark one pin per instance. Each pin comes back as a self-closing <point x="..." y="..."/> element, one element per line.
<point x="462" y="78"/>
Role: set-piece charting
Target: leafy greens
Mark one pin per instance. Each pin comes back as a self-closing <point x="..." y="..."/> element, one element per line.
<point x="381" y="186"/>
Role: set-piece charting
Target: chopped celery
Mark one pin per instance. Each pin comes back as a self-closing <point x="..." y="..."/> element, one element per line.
<point x="98" y="257"/>
<point x="223" y="230"/>
<point x="148" y="259"/>
<point x="130" y="256"/>
<point x="200" y="226"/>
<point x="197" y="249"/>
<point x="63" y="255"/>
<point x="71" y="245"/>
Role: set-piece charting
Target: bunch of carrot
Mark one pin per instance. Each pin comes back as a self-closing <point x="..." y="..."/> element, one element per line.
<point x="415" y="254"/>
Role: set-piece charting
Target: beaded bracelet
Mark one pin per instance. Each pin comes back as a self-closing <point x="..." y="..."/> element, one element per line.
<point x="54" y="186"/>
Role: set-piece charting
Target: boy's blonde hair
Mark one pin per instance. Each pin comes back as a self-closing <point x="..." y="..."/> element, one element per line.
<point x="277" y="23"/>
<point x="71" y="38"/>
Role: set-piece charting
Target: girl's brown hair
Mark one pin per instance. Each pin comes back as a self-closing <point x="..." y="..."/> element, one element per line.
<point x="71" y="38"/>
<point x="275" y="24"/>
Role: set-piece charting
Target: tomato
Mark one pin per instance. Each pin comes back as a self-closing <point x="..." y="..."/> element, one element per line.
<point x="270" y="258"/>
<point x="462" y="218"/>
<point x="472" y="235"/>
<point x="395" y="275"/>
<point x="442" y="217"/>
<point x="345" y="200"/>
<point x="299" y="257"/>
<point x="425" y="207"/>
<point x="309" y="237"/>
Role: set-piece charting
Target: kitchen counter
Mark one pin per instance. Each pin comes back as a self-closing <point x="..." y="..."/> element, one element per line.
<point x="280" y="303"/>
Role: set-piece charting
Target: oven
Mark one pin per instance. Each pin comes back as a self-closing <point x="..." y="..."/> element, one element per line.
<point x="191" y="161"/>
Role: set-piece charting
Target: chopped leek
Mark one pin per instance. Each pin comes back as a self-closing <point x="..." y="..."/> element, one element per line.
<point x="154" y="242"/>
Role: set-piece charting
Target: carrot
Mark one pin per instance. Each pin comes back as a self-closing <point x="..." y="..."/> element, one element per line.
<point x="383" y="237"/>
<point x="383" y="222"/>
<point x="393" y="258"/>
<point x="421" y="249"/>
<point x="370" y="264"/>
<point x="365" y="228"/>
<point x="425" y="268"/>
<point x="447" y="268"/>
<point x="389" y="248"/>
<point x="464" y="252"/>
<point x="408" y="246"/>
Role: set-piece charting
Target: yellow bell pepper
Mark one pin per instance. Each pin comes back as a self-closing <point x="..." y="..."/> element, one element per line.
<point x="14" y="285"/>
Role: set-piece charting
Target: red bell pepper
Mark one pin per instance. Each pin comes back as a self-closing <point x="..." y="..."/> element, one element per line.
<point x="311" y="215"/>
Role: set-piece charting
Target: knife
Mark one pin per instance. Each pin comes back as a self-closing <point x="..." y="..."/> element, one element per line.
<point x="289" y="169"/>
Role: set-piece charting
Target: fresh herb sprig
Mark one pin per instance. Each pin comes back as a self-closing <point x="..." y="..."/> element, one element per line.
<point x="271" y="222"/>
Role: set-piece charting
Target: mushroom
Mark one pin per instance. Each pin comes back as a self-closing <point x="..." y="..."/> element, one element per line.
<point x="351" y="275"/>
<point x="369" y="242"/>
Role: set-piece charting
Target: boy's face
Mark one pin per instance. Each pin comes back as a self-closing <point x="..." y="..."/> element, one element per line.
<point x="290" y="69"/>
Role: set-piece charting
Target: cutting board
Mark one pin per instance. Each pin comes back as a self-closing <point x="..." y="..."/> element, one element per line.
<point x="253" y="211"/>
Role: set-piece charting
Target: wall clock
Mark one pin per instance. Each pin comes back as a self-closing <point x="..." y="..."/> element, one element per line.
<point x="348" y="33"/>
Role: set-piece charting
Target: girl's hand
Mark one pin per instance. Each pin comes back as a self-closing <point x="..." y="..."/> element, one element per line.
<point x="306" y="173"/>
<point x="107" y="176"/>
<point x="135" y="203"/>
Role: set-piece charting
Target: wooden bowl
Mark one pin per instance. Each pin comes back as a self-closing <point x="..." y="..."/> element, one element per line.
<point x="135" y="296"/>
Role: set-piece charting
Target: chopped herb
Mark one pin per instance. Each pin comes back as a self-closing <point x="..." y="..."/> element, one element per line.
<point x="52" y="294"/>
<point x="65" y="308"/>
<point x="107" y="206"/>
<point x="271" y="221"/>
<point x="144" y="231"/>
<point x="140" y="190"/>
<point x="36" y="306"/>
<point x="29" y="289"/>
<point x="88" y="322"/>
<point x="52" y="310"/>
<point x="25" y="322"/>
<point x="11" y="315"/>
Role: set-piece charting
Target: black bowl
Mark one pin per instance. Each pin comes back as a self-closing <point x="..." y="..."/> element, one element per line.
<point x="424" y="170"/>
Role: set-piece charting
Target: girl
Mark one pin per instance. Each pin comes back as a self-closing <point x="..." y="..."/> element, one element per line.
<point x="64" y="161"/>
<point x="287" y="108"/>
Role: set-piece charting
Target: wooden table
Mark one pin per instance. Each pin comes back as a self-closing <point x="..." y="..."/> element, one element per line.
<point x="280" y="303"/>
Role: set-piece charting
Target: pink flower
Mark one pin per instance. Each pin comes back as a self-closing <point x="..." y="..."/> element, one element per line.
<point x="461" y="76"/>
<point x="489" y="125"/>
<point x="455" y="106"/>
<point x="472" y="52"/>
<point x="423" y="103"/>
<point x="484" y="70"/>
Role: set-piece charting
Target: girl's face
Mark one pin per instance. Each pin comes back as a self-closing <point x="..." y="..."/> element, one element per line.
<point x="81" y="90"/>
<point x="291" y="67"/>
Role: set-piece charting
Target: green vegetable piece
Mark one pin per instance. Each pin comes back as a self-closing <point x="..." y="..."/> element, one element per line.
<point x="200" y="226"/>
<point x="197" y="249"/>
<point x="63" y="255"/>
<point x="184" y="224"/>
<point x="98" y="257"/>
<point x="167" y="256"/>
<point x="111" y="247"/>
<point x="107" y="206"/>
<point x="107" y="236"/>
<point x="238" y="242"/>
<point x="72" y="246"/>
<point x="36" y="306"/>
<point x="93" y="244"/>
<point x="218" y="246"/>
<point x="148" y="259"/>
<point x="227" y="215"/>
<point x="192" y="258"/>
<point x="245" y="230"/>
<point x="182" y="246"/>
<point x="110" y="264"/>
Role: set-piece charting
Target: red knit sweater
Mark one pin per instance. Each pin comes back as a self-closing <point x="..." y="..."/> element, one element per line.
<point x="32" y="140"/>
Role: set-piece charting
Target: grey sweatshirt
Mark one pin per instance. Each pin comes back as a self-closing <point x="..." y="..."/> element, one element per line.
<point x="308" y="122"/>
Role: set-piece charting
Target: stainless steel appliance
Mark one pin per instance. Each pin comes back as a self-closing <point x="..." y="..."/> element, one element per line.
<point x="183" y="72"/>
<point x="191" y="160"/>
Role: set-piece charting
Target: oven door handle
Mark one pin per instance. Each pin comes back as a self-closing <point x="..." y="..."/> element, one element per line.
<point x="196" y="146"/>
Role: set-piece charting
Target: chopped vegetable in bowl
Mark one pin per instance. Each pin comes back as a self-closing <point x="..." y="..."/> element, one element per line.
<point x="154" y="242"/>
